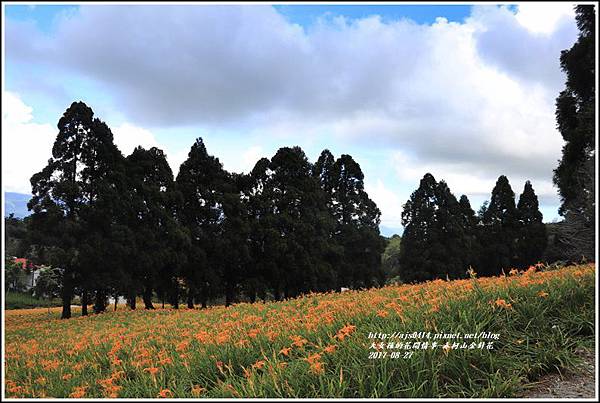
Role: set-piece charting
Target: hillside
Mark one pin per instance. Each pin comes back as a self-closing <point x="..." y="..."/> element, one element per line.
<point x="479" y="337"/>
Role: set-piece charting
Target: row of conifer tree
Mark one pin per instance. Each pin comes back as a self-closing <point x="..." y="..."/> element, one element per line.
<point x="125" y="226"/>
<point x="443" y="236"/>
<point x="119" y="225"/>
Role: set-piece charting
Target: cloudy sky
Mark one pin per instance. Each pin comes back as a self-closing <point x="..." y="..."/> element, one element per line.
<point x="464" y="92"/>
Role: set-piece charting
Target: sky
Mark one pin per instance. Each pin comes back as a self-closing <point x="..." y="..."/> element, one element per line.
<point x="464" y="92"/>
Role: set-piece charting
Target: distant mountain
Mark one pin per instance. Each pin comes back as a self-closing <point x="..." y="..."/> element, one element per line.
<point x="16" y="203"/>
<point x="389" y="231"/>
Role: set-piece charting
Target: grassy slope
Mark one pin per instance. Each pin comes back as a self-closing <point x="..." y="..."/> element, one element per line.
<point x="241" y="351"/>
<point x="19" y="300"/>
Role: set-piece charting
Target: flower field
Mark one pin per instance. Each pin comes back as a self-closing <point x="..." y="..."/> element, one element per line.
<point x="314" y="346"/>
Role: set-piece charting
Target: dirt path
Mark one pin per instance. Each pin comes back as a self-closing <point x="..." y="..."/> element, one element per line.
<point x="577" y="383"/>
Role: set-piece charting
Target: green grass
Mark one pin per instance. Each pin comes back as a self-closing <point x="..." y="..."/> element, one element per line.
<point x="21" y="300"/>
<point x="550" y="315"/>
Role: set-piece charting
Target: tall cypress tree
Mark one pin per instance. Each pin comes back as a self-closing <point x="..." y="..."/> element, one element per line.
<point x="436" y="242"/>
<point x="265" y="242"/>
<point x="357" y="222"/>
<point x="532" y="237"/>
<point x="68" y="195"/>
<point x="302" y="221"/>
<point x="202" y="181"/>
<point x="575" y="110"/>
<point x="500" y="226"/>
<point x="152" y="220"/>
<point x="469" y="223"/>
<point x="575" y="117"/>
<point x="233" y="237"/>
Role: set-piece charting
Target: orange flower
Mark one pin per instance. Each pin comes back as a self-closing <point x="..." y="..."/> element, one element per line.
<point x="118" y="375"/>
<point x="197" y="390"/>
<point x="344" y="332"/>
<point x="285" y="351"/>
<point x="253" y="333"/>
<point x="259" y="364"/>
<point x="513" y="272"/>
<point x="330" y="349"/>
<point x="502" y="303"/>
<point x="167" y="360"/>
<point x="382" y="314"/>
<point x="182" y="346"/>
<point x="298" y="341"/>
<point x="66" y="377"/>
<point x="542" y="294"/>
<point x="165" y="393"/>
<point x="78" y="392"/>
<point x="317" y="367"/>
<point x="313" y="358"/>
<point x="152" y="370"/>
<point x="113" y="391"/>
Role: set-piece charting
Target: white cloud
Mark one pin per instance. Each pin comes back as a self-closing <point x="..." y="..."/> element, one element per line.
<point x="469" y="179"/>
<point x="127" y="137"/>
<point x="250" y="157"/>
<point x="543" y="17"/>
<point x="241" y="161"/>
<point x="26" y="146"/>
<point x="468" y="101"/>
<point x="389" y="203"/>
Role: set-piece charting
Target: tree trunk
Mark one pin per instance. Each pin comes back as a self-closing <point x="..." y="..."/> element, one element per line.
<point x="203" y="296"/>
<point x="84" y="303"/>
<point x="190" y="300"/>
<point x="229" y="294"/>
<point x="100" y="302"/>
<point x="116" y="302"/>
<point x="67" y="295"/>
<point x="147" y="297"/>
<point x="131" y="300"/>
<point x="263" y="295"/>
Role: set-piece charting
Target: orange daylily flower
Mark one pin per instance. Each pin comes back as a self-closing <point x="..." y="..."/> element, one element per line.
<point x="197" y="390"/>
<point x="165" y="393"/>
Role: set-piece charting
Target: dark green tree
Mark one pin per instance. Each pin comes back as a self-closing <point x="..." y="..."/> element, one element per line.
<point x="68" y="194"/>
<point x="233" y="237"/>
<point x="435" y="242"/>
<point x="469" y="222"/>
<point x="15" y="232"/>
<point x="265" y="242"/>
<point x="531" y="236"/>
<point x="202" y="181"/>
<point x="152" y="220"/>
<point x="575" y="117"/>
<point x="303" y="222"/>
<point x="575" y="109"/>
<point x="357" y="221"/>
<point x="499" y="231"/>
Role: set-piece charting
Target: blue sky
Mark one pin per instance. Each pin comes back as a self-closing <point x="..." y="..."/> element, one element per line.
<point x="468" y="96"/>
